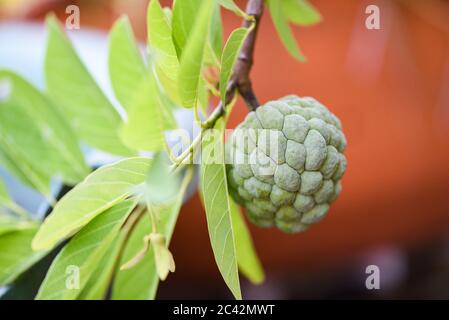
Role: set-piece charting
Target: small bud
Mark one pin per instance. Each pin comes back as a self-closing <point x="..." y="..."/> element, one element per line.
<point x="162" y="256"/>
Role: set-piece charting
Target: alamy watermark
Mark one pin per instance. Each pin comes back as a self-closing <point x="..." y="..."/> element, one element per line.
<point x="372" y="21"/>
<point x="72" y="21"/>
<point x="259" y="147"/>
<point x="372" y="281"/>
<point x="72" y="281"/>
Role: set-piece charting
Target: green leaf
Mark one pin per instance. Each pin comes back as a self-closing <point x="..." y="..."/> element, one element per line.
<point x="137" y="91"/>
<point x="24" y="140"/>
<point x="280" y="21"/>
<point x="52" y="135"/>
<point x="185" y="13"/>
<point x="32" y="128"/>
<point x="97" y="286"/>
<point x="10" y="223"/>
<point x="229" y="57"/>
<point x="166" y="110"/>
<point x="126" y="66"/>
<point x="216" y="33"/>
<point x="101" y="190"/>
<point x="12" y="166"/>
<point x="79" y="258"/>
<point x="141" y="281"/>
<point x="7" y="221"/>
<point x="27" y="142"/>
<point x="247" y="259"/>
<point x="144" y="129"/>
<point x="23" y="170"/>
<point x="301" y="12"/>
<point x="218" y="212"/>
<point x="230" y="5"/>
<point x="210" y="58"/>
<point x="161" y="42"/>
<point x="193" y="55"/>
<point x="129" y="74"/>
<point x="16" y="255"/>
<point x="215" y="43"/>
<point x="78" y="96"/>
<point x="24" y="143"/>
<point x="203" y="96"/>
<point x="161" y="184"/>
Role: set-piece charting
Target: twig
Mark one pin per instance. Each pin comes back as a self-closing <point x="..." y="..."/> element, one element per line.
<point x="240" y="80"/>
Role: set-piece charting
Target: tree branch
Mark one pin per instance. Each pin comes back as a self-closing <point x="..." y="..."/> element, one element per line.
<point x="240" y="79"/>
<point x="245" y="60"/>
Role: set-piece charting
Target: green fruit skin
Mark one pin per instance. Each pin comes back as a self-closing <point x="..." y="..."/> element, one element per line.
<point x="291" y="185"/>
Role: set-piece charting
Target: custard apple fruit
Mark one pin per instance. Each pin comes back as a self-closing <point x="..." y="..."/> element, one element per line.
<point x="285" y="162"/>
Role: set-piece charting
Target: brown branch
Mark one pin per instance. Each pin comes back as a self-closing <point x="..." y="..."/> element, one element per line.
<point x="240" y="80"/>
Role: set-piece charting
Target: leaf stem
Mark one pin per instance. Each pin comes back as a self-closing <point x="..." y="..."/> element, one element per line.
<point x="128" y="227"/>
<point x="153" y="217"/>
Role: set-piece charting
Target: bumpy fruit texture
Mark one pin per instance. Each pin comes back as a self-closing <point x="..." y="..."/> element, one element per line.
<point x="285" y="163"/>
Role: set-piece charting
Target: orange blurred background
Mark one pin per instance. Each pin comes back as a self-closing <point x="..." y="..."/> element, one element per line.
<point x="390" y="88"/>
